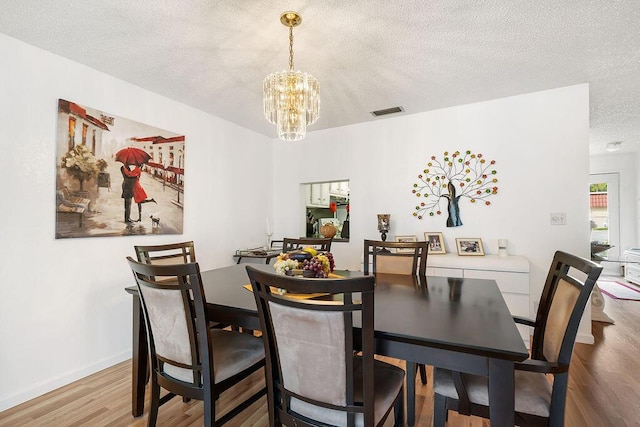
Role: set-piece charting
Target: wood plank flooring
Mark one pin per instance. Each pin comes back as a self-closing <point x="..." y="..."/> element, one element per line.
<point x="604" y="390"/>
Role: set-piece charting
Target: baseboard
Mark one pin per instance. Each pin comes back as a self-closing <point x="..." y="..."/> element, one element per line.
<point x="55" y="383"/>
<point x="585" y="338"/>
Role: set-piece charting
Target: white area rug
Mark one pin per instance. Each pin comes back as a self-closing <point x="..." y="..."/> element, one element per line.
<point x="619" y="290"/>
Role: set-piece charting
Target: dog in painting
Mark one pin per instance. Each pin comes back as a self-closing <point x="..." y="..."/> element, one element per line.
<point x="155" y="221"/>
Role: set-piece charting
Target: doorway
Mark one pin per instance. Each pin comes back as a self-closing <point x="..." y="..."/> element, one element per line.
<point x="604" y="215"/>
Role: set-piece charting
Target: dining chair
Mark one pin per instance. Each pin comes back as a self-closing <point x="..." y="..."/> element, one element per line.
<point x="395" y="257"/>
<point x="538" y="402"/>
<point x="321" y="370"/>
<point x="187" y="357"/>
<point x="405" y="258"/>
<point x="171" y="253"/>
<point x="321" y="244"/>
<point x="276" y="245"/>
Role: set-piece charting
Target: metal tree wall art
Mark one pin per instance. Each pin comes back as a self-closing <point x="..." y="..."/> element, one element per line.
<point x="456" y="175"/>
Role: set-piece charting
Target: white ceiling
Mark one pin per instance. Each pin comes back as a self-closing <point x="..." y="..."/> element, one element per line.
<point x="367" y="54"/>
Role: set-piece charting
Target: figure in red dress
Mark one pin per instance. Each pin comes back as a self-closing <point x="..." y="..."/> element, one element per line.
<point x="139" y="195"/>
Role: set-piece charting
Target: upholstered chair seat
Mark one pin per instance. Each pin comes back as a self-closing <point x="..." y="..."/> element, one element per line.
<point x="232" y="353"/>
<point x="532" y="390"/>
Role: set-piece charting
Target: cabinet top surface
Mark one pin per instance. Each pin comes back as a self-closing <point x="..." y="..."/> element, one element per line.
<point x="512" y="263"/>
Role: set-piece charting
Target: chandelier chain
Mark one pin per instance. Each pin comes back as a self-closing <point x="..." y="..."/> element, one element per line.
<point x="290" y="47"/>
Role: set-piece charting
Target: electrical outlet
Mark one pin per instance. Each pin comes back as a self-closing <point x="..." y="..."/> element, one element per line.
<point x="558" y="218"/>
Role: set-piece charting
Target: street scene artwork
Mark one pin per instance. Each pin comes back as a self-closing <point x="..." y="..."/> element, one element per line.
<point x="115" y="176"/>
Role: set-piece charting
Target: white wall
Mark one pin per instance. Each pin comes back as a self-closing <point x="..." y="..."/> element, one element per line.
<point x="63" y="310"/>
<point x="539" y="142"/>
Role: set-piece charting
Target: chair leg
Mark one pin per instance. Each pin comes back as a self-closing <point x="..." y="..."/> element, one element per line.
<point x="439" y="410"/>
<point x="411" y="393"/>
<point x="155" y="403"/>
<point x="423" y="373"/>
<point x="209" y="411"/>
<point x="399" y="410"/>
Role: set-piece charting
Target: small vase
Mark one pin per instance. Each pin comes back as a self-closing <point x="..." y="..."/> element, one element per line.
<point x="345" y="228"/>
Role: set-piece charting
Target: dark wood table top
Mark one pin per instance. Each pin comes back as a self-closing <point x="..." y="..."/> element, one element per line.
<point x="464" y="315"/>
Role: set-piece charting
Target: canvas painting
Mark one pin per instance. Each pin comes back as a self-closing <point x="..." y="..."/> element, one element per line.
<point x="115" y="176"/>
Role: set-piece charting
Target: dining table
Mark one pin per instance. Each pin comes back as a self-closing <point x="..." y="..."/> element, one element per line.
<point x="460" y="324"/>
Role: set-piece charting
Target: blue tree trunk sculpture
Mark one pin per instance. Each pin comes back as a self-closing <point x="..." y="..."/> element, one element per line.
<point x="453" y="208"/>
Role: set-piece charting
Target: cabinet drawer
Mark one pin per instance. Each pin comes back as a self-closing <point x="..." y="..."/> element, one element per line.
<point x="516" y="283"/>
<point x="632" y="273"/>
<point x="518" y="304"/>
<point x="444" y="272"/>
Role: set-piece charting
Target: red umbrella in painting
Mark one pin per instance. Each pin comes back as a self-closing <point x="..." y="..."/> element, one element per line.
<point x="132" y="156"/>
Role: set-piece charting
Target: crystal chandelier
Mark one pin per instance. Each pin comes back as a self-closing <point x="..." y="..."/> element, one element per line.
<point x="291" y="98"/>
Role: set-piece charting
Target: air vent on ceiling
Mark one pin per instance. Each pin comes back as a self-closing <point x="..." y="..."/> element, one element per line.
<point x="386" y="111"/>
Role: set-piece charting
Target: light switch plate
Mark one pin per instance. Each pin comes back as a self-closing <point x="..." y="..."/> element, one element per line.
<point x="558" y="218"/>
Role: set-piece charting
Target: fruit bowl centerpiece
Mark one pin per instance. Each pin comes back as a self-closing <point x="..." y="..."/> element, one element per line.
<point x="306" y="262"/>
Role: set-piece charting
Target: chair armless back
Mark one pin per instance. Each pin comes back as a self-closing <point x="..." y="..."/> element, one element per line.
<point x="172" y="253"/>
<point x="395" y="257"/>
<point x="321" y="244"/>
<point x="310" y="347"/>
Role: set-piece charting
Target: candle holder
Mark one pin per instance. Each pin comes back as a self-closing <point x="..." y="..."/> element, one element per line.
<point x="383" y="227"/>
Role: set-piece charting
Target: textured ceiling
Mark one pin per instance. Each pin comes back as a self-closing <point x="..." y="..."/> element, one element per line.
<point x="367" y="54"/>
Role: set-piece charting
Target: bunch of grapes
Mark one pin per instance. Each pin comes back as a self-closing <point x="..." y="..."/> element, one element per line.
<point x="332" y="264"/>
<point x="316" y="265"/>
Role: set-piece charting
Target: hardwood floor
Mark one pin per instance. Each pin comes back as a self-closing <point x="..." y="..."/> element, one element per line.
<point x="604" y="390"/>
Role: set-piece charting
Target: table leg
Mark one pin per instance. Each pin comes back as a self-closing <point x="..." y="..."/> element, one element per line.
<point x="140" y="362"/>
<point x="501" y="393"/>
<point x="410" y="375"/>
<point x="239" y="259"/>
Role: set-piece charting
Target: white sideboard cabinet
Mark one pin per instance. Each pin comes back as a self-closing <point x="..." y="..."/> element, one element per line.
<point x="511" y="273"/>
<point x="632" y="266"/>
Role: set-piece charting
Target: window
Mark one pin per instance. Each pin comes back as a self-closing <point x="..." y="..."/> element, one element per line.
<point x="72" y="132"/>
<point x="327" y="202"/>
<point x="85" y="128"/>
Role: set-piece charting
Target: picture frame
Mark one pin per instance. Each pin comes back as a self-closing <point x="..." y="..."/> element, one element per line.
<point x="435" y="242"/>
<point x="407" y="238"/>
<point x="469" y="246"/>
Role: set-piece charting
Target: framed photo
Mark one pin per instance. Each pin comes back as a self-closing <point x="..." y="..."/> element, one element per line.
<point x="469" y="246"/>
<point x="435" y="242"/>
<point x="405" y="239"/>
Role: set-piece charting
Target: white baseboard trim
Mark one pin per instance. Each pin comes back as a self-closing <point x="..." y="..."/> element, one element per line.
<point x="585" y="338"/>
<point x="53" y="383"/>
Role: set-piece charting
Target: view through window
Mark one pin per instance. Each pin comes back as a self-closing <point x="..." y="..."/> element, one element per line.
<point x="603" y="214"/>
